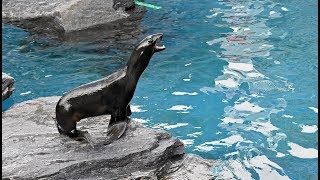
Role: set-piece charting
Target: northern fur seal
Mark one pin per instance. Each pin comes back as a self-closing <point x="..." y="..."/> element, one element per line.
<point x="109" y="95"/>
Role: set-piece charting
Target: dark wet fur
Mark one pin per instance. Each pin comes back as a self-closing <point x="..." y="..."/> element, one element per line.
<point x="109" y="95"/>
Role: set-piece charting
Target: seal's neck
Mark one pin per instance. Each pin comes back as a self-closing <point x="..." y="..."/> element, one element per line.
<point x="137" y="63"/>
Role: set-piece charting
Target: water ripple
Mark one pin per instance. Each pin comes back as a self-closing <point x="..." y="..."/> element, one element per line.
<point x="239" y="49"/>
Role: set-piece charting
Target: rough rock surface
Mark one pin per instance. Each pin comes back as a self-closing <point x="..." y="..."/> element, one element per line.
<point x="7" y="86"/>
<point x="75" y="19"/>
<point x="32" y="148"/>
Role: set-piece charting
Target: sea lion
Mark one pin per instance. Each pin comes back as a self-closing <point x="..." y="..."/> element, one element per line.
<point x="109" y="95"/>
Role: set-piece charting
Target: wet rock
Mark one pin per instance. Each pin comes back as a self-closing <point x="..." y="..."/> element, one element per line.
<point x="75" y="19"/>
<point x="7" y="86"/>
<point x="32" y="148"/>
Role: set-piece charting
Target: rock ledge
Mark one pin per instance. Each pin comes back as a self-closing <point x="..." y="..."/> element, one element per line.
<point x="33" y="149"/>
<point x="75" y="19"/>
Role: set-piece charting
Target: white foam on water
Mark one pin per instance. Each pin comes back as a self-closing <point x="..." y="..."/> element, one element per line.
<point x="168" y="126"/>
<point x="25" y="93"/>
<point x="230" y="83"/>
<point x="195" y="134"/>
<point x="301" y="152"/>
<point x="224" y="100"/>
<point x="48" y="75"/>
<point x="238" y="7"/>
<point x="232" y="139"/>
<point x="231" y="169"/>
<point x="241" y="66"/>
<point x="187" y="142"/>
<point x="226" y="71"/>
<point x="207" y="89"/>
<point x="265" y="168"/>
<point x="255" y="75"/>
<point x="235" y="29"/>
<point x="287" y="116"/>
<point x="247" y="106"/>
<point x="229" y="141"/>
<point x="175" y="126"/>
<point x="236" y="169"/>
<point x="180" y="108"/>
<point x="186" y="79"/>
<point x="227" y="120"/>
<point x="239" y="170"/>
<point x="203" y="148"/>
<point x="279" y="154"/>
<point x="188" y="64"/>
<point x="231" y="154"/>
<point x="272" y="12"/>
<point x="213" y="15"/>
<point x="314" y="109"/>
<point x="284" y="9"/>
<point x="266" y="46"/>
<point x="184" y="93"/>
<point x="264" y="127"/>
<point x="214" y="41"/>
<point x="136" y="108"/>
<point x="142" y="121"/>
<point x="161" y="125"/>
<point x="309" y="129"/>
<point x="256" y="95"/>
<point x="274" y="139"/>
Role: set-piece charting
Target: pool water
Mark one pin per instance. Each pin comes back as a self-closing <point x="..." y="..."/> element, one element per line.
<point x="237" y="81"/>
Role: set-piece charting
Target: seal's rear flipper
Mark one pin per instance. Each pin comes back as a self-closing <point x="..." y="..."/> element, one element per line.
<point x="92" y="141"/>
<point x="85" y="136"/>
<point x="115" y="131"/>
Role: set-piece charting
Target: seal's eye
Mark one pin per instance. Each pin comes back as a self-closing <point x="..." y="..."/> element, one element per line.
<point x="150" y="41"/>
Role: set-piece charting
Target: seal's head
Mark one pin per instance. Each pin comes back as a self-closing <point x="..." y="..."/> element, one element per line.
<point x="143" y="52"/>
<point x="150" y="43"/>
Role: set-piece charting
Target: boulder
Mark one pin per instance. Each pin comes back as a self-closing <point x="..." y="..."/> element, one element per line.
<point x="7" y="86"/>
<point x="75" y="19"/>
<point x="32" y="148"/>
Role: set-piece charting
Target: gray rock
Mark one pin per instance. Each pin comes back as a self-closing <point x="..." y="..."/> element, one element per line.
<point x="7" y="86"/>
<point x="75" y="19"/>
<point x="32" y="148"/>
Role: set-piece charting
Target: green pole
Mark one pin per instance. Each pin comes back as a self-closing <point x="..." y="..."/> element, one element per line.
<point x="147" y="5"/>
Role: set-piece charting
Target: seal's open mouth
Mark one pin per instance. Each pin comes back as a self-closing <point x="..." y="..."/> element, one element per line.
<point x="157" y="38"/>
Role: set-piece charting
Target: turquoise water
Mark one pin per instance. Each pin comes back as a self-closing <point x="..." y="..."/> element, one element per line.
<point x="237" y="82"/>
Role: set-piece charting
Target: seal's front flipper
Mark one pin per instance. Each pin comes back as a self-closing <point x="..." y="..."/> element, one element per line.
<point x="115" y="131"/>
